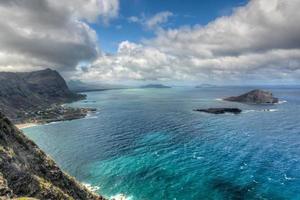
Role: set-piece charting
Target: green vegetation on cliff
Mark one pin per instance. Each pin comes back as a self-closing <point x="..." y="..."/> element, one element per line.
<point x="26" y="172"/>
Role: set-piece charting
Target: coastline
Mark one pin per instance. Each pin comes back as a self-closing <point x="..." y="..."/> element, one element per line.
<point x="54" y="114"/>
<point x="26" y="125"/>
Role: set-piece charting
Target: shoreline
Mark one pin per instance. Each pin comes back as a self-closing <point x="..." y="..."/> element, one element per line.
<point x="54" y="114"/>
<point x="32" y="124"/>
<point x="26" y="125"/>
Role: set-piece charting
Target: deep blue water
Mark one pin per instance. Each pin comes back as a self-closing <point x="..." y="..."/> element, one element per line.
<point x="149" y="144"/>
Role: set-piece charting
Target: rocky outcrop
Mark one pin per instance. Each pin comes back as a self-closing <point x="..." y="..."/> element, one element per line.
<point x="220" y="110"/>
<point x="32" y="91"/>
<point x="255" y="97"/>
<point x="26" y="171"/>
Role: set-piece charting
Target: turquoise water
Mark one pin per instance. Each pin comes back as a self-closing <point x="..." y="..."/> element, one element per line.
<point x="149" y="144"/>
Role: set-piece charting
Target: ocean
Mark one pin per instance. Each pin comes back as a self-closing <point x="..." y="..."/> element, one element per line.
<point x="149" y="144"/>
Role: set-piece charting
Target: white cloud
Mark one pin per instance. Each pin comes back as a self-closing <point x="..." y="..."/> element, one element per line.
<point x="91" y="10"/>
<point x="158" y="19"/>
<point x="133" y="19"/>
<point x="44" y="33"/>
<point x="258" y="42"/>
<point x="153" y="22"/>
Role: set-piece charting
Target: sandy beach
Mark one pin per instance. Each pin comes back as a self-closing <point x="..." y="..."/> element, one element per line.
<point x="26" y="125"/>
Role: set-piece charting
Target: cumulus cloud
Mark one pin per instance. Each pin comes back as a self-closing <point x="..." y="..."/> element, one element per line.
<point x="44" y="33"/>
<point x="153" y="22"/>
<point x="158" y="19"/>
<point x="258" y="42"/>
<point x="91" y="10"/>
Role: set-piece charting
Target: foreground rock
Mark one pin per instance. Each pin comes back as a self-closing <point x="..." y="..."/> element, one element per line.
<point x="254" y="96"/>
<point x="26" y="171"/>
<point x="220" y="110"/>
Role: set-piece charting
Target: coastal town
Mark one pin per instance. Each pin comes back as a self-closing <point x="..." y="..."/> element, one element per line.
<point x="54" y="113"/>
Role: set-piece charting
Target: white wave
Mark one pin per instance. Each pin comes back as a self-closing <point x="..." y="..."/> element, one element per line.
<point x="288" y="178"/>
<point x="56" y="122"/>
<point x="273" y="110"/>
<point x="264" y="110"/>
<point x="255" y="181"/>
<point x="281" y="102"/>
<point x="248" y="111"/>
<point x="91" y="117"/>
<point x="120" y="197"/>
<point x="197" y="157"/>
<point x="218" y="99"/>
<point x="91" y="187"/>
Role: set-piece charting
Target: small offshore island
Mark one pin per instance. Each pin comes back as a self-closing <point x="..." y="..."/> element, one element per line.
<point x="158" y="86"/>
<point x="253" y="97"/>
<point x="220" y="110"/>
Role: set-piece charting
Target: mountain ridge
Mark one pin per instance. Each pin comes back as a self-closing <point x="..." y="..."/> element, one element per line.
<point x="21" y="92"/>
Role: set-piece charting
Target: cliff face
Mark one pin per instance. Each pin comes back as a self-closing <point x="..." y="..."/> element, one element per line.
<point x="23" y="92"/>
<point x="26" y="171"/>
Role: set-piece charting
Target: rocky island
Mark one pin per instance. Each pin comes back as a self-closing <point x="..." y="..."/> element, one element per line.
<point x="26" y="172"/>
<point x="220" y="110"/>
<point x="254" y="97"/>
<point x="37" y="97"/>
<point x="155" y="86"/>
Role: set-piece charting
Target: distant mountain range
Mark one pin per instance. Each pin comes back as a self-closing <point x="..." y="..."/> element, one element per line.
<point x="29" y="91"/>
<point x="155" y="86"/>
<point x="79" y="86"/>
<point x="205" y="86"/>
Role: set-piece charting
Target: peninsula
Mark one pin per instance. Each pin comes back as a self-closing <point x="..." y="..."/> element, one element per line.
<point x="37" y="97"/>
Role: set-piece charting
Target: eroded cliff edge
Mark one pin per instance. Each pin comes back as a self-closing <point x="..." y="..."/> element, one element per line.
<point x="26" y="171"/>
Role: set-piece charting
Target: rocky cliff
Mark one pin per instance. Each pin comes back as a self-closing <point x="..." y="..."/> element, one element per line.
<point x="30" y="91"/>
<point x="26" y="171"/>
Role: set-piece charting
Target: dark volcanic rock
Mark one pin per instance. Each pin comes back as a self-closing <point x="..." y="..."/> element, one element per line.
<point x="26" y="171"/>
<point x="220" y="110"/>
<point x="29" y="91"/>
<point x="255" y="96"/>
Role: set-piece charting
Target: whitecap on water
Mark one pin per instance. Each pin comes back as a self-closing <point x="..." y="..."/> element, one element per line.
<point x="264" y="110"/>
<point x="248" y="111"/>
<point x="197" y="157"/>
<point x="288" y="178"/>
<point x="273" y="110"/>
<point x="91" y="117"/>
<point x="120" y="197"/>
<point x="51" y="123"/>
<point x="91" y="187"/>
<point x="281" y="102"/>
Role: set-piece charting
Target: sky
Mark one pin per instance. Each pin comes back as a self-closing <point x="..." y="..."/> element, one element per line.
<point x="154" y="41"/>
<point x="189" y="13"/>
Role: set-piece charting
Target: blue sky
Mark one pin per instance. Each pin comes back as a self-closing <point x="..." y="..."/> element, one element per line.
<point x="186" y="13"/>
<point x="167" y="41"/>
